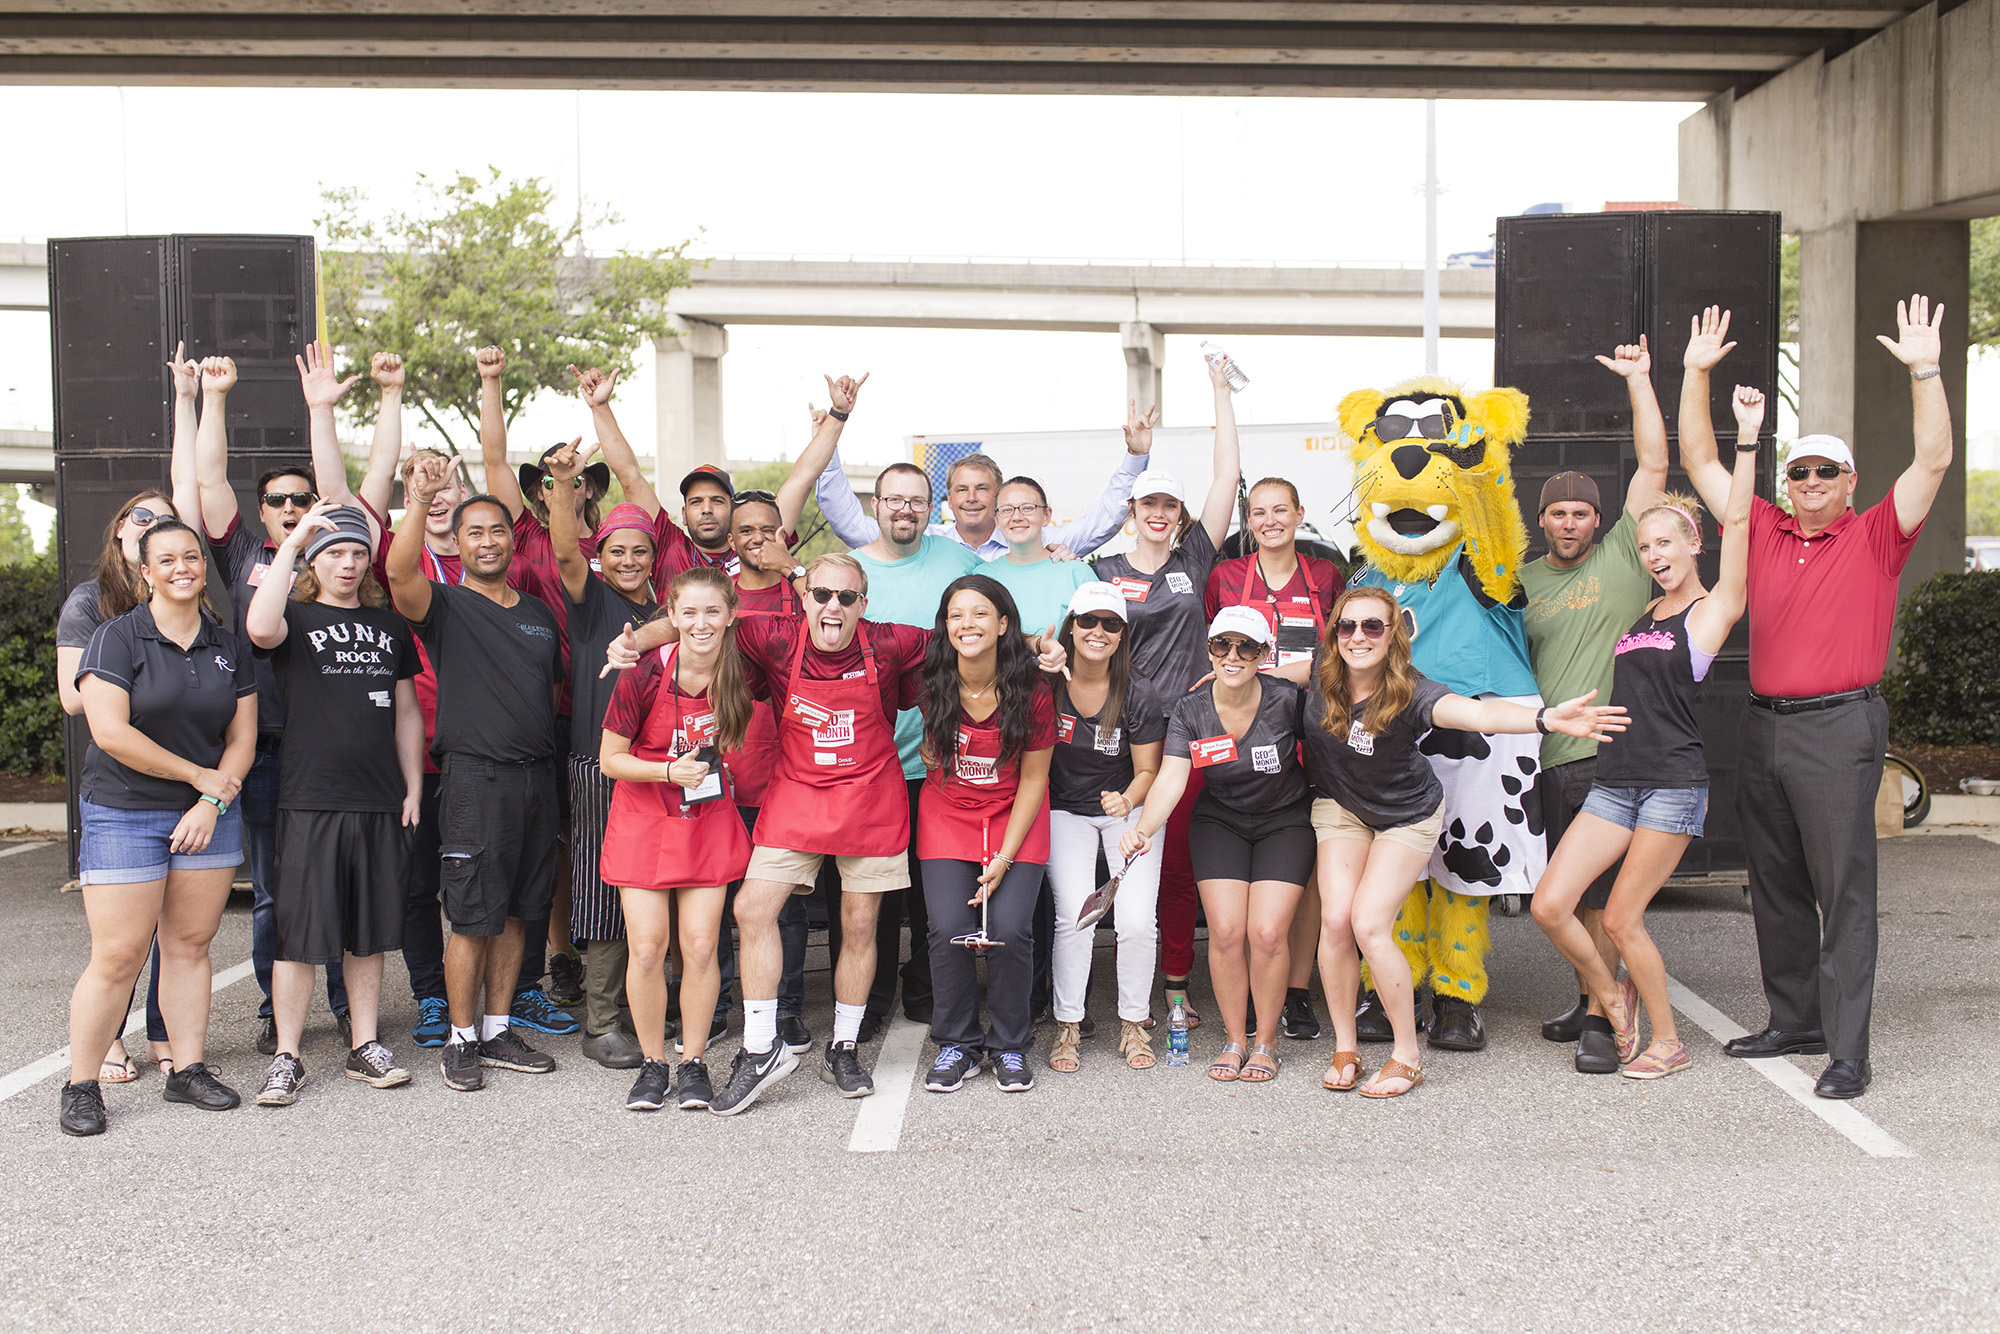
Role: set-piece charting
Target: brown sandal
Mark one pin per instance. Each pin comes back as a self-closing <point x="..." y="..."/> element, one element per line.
<point x="1341" y="1060"/>
<point x="1063" y="1057"/>
<point x="1135" y="1046"/>
<point x="1396" y="1070"/>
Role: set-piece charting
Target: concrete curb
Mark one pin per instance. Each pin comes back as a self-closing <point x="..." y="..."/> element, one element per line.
<point x="52" y="817"/>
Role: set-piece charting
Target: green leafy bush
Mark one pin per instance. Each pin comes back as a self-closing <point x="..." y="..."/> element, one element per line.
<point x="1946" y="689"/>
<point x="31" y="718"/>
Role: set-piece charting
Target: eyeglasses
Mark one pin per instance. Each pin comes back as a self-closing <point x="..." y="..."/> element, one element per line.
<point x="1090" y="620"/>
<point x="1374" y="627"/>
<point x="747" y="497"/>
<point x="848" y="597"/>
<point x="1398" y="427"/>
<point x="1024" y="511"/>
<point x="549" y="483"/>
<point x="897" y="504"/>
<point x="1222" y="646"/>
<point x="1826" y="472"/>
<point x="300" y="499"/>
<point x="143" y="517"/>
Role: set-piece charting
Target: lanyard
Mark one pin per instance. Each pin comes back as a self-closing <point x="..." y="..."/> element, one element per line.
<point x="434" y="568"/>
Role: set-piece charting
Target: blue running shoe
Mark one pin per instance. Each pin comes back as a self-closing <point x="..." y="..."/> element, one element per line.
<point x="533" y="1009"/>
<point x="1010" y="1069"/>
<point x="953" y="1066"/>
<point x="433" y="1024"/>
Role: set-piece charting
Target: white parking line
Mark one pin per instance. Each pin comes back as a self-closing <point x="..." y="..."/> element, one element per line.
<point x="20" y="848"/>
<point x="1842" y="1116"/>
<point x="878" y="1125"/>
<point x="58" y="1061"/>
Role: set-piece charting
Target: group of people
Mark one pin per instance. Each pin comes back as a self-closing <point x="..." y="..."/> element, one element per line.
<point x="593" y="740"/>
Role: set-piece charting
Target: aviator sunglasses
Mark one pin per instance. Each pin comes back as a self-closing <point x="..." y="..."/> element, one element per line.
<point x="1374" y="627"/>
<point x="1395" y="426"/>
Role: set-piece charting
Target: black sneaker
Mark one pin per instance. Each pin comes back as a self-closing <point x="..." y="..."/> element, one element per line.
<point x="696" y="1092"/>
<point x="750" y="1076"/>
<point x="715" y="1030"/>
<point x="565" y="980"/>
<point x="1297" y="1021"/>
<point x="1086" y="1027"/>
<point x="1010" y="1070"/>
<point x="197" y="1086"/>
<point x="842" y="1069"/>
<point x="792" y="1031"/>
<point x="510" y="1051"/>
<point x="374" y="1065"/>
<point x="533" y="1009"/>
<point x="346" y="1025"/>
<point x="649" y="1090"/>
<point x="281" y="1081"/>
<point x="82" y="1109"/>
<point x="871" y="1028"/>
<point x="953" y="1066"/>
<point x="1371" y="1021"/>
<point x="459" y="1062"/>
<point x="433" y="1026"/>
<point x="267" y="1036"/>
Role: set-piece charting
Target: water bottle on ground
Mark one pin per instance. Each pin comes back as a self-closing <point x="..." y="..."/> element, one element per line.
<point x="1177" y="1035"/>
<point x="1228" y="369"/>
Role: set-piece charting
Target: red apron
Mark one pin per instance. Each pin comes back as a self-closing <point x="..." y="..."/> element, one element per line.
<point x="750" y="767"/>
<point x="839" y="786"/>
<point x="652" y="840"/>
<point x="966" y="819"/>
<point x="1281" y="620"/>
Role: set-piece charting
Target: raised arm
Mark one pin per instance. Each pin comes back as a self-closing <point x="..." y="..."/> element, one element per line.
<point x="1919" y="346"/>
<point x="322" y="391"/>
<point x="211" y="446"/>
<point x="184" y="479"/>
<point x="1220" y="502"/>
<point x="1649" y="429"/>
<point x="501" y="483"/>
<point x="1710" y="621"/>
<point x="1086" y="534"/>
<point x="594" y="386"/>
<point x="1705" y="347"/>
<point x="385" y="450"/>
<point x="565" y="466"/>
<point x="827" y="428"/>
<point x="407" y="584"/>
<point x="264" y="618"/>
<point x="850" y="523"/>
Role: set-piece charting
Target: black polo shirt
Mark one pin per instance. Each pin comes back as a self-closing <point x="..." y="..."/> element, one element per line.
<point x="244" y="558"/>
<point x="497" y="669"/>
<point x="183" y="699"/>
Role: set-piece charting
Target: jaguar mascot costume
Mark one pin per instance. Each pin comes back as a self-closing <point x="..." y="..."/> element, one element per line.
<point x="1438" y="526"/>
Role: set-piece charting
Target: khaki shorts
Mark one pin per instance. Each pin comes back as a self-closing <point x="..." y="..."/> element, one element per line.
<point x="1333" y="820"/>
<point x="858" y="875"/>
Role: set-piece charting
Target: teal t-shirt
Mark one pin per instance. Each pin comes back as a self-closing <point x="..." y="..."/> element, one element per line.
<point x="906" y="592"/>
<point x="1041" y="590"/>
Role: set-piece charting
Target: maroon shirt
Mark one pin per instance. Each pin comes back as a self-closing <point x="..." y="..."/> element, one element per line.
<point x="1823" y="609"/>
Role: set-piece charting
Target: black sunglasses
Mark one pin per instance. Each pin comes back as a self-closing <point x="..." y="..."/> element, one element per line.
<point x="549" y="483"/>
<point x="1798" y="472"/>
<point x="746" y="497"/>
<point x="142" y="516"/>
<point x="1090" y="620"/>
<point x="1374" y="627"/>
<point x="302" y="499"/>
<point x="1223" y="645"/>
<point x="848" y="597"/>
<point x="1394" y="426"/>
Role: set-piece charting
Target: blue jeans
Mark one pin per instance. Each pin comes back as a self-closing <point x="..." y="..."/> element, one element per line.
<point x="259" y="800"/>
<point x="1669" y="810"/>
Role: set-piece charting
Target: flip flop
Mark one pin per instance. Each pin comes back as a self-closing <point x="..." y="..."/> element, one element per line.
<point x="127" y="1071"/>
<point x="1396" y="1070"/>
<point x="1341" y="1060"/>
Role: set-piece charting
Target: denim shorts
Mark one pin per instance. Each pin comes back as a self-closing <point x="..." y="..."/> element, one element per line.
<point x="1670" y="810"/>
<point x="121" y="847"/>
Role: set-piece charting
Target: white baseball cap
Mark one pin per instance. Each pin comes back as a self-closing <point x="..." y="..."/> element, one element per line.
<point x="1158" y="482"/>
<point x="1099" y="597"/>
<point x="1240" y="621"/>
<point x="1829" y="447"/>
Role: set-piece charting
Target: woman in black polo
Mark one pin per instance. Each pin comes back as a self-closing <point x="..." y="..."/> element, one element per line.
<point x="172" y="703"/>
<point x="1250" y="836"/>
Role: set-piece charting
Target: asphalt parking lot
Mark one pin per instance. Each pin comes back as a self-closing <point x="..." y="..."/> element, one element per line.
<point x="1507" y="1193"/>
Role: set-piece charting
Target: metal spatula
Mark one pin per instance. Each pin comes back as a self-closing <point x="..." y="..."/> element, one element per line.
<point x="1099" y="902"/>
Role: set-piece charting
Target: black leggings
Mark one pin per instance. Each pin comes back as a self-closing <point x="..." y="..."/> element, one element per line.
<point x="1010" y="969"/>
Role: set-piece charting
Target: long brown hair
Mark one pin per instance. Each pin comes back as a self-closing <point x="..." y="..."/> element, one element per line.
<point x="728" y="689"/>
<point x="119" y="587"/>
<point x="1399" y="679"/>
<point x="1118" y="672"/>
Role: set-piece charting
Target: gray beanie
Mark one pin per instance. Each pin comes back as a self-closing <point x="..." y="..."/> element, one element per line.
<point x="350" y="524"/>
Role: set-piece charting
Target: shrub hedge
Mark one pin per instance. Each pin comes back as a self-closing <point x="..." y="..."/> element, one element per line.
<point x="31" y="718"/>
<point x="1945" y="690"/>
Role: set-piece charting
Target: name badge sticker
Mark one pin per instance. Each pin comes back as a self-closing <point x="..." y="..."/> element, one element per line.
<point x="1264" y="759"/>
<point x="805" y="711"/>
<point x="1108" y="745"/>
<point x="1179" y="582"/>
<point x="1360" y="740"/>
<point x="1065" y="728"/>
<point x="1132" y="590"/>
<point x="1212" y="750"/>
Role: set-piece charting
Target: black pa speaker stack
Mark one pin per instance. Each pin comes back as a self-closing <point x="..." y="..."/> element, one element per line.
<point x="1571" y="286"/>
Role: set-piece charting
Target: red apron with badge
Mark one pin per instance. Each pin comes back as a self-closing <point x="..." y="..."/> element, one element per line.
<point x="1283" y="616"/>
<point x="839" y="786"/>
<point x="652" y="839"/>
<point x="966" y="818"/>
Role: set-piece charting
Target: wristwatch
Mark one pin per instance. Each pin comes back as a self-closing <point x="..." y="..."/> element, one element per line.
<point x="1541" y="720"/>
<point x="796" y="572"/>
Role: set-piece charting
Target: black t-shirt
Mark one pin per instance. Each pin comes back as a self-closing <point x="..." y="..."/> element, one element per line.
<point x="1168" y="622"/>
<point x="1652" y="678"/>
<point x="338" y="668"/>
<point x="243" y="558"/>
<point x="184" y="699"/>
<point x="593" y="623"/>
<point x="1085" y="765"/>
<point x="79" y="617"/>
<point x="1258" y="775"/>
<point x="1383" y="781"/>
<point x="497" y="668"/>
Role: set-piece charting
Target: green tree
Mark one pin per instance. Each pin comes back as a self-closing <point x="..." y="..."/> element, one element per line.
<point x="812" y="525"/>
<point x="1984" y="308"/>
<point x="17" y="539"/>
<point x="1982" y="503"/>
<point x="481" y="262"/>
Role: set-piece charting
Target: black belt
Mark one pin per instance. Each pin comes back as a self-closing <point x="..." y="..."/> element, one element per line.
<point x="1808" y="703"/>
<point x="269" y="743"/>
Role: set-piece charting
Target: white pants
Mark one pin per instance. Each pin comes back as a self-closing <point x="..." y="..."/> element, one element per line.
<point x="1073" y="844"/>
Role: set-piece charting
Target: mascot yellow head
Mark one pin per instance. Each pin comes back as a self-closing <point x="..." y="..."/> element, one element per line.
<point x="1432" y="466"/>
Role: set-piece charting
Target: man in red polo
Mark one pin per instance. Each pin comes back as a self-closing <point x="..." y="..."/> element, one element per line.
<point x="1822" y="610"/>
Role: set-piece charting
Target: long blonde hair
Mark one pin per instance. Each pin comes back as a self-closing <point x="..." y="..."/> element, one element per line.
<point x="1399" y="679"/>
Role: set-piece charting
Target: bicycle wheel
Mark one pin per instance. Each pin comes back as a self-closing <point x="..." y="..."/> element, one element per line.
<point x="1916" y="791"/>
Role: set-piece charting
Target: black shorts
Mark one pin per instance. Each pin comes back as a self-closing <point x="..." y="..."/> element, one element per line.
<point x="1223" y="845"/>
<point x="1563" y="790"/>
<point x="340" y="884"/>
<point x="498" y="825"/>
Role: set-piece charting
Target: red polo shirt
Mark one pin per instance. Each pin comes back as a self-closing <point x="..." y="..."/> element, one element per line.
<point x="1822" y="609"/>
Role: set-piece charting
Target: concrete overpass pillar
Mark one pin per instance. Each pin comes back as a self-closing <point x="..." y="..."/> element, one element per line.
<point x="690" y="399"/>
<point x="1850" y="278"/>
<point x="1145" y="355"/>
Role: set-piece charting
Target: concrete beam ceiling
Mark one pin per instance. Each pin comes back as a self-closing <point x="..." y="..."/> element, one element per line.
<point x="1451" y="48"/>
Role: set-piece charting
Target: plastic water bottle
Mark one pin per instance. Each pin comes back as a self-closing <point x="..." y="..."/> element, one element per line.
<point x="1177" y="1035"/>
<point x="1228" y="369"/>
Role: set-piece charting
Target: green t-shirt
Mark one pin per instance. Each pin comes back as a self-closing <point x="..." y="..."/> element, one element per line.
<point x="1575" y="615"/>
<point x="1041" y="590"/>
<point x="906" y="592"/>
